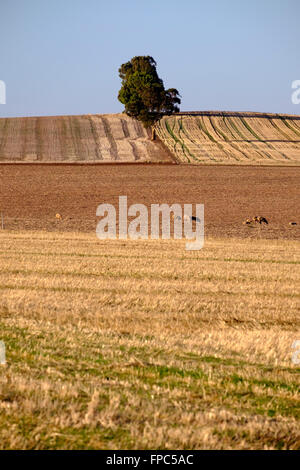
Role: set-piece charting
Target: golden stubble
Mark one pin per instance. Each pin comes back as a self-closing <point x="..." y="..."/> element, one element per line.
<point x="142" y="344"/>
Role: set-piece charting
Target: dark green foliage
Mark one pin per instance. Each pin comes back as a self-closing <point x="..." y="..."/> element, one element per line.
<point x="143" y="92"/>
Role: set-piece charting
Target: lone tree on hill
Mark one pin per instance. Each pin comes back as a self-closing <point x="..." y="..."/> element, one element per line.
<point x="143" y="92"/>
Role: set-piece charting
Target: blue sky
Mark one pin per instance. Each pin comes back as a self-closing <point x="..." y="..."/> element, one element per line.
<point x="62" y="56"/>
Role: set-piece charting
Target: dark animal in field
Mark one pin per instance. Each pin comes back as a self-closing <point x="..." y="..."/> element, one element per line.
<point x="247" y="222"/>
<point x="260" y="220"/>
<point x="186" y="217"/>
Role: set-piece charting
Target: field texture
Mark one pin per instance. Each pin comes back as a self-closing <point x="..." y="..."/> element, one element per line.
<point x="235" y="138"/>
<point x="89" y="138"/>
<point x="31" y="195"/>
<point x="204" y="137"/>
<point x="124" y="344"/>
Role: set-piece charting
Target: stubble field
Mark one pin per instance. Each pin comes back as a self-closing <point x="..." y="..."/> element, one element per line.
<point x="86" y="138"/>
<point x="217" y="137"/>
<point x="207" y="137"/>
<point x="125" y="345"/>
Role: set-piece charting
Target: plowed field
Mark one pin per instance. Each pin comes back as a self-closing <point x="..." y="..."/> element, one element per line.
<point x="31" y="195"/>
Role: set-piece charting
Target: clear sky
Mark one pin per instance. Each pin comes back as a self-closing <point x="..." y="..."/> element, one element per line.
<point x="62" y="56"/>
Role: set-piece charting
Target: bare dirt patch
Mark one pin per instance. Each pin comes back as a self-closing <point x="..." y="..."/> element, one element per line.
<point x="32" y="195"/>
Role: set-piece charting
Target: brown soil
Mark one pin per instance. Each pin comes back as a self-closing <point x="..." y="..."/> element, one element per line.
<point x="31" y="195"/>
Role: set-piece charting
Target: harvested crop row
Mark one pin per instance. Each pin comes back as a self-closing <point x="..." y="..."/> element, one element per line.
<point x="232" y="138"/>
<point x="107" y="137"/>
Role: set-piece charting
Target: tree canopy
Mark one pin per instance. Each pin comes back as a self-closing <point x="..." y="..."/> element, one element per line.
<point x="143" y="93"/>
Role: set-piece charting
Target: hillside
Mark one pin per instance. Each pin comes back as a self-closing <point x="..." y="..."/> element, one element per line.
<point x="235" y="138"/>
<point x="207" y="137"/>
<point x="106" y="138"/>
